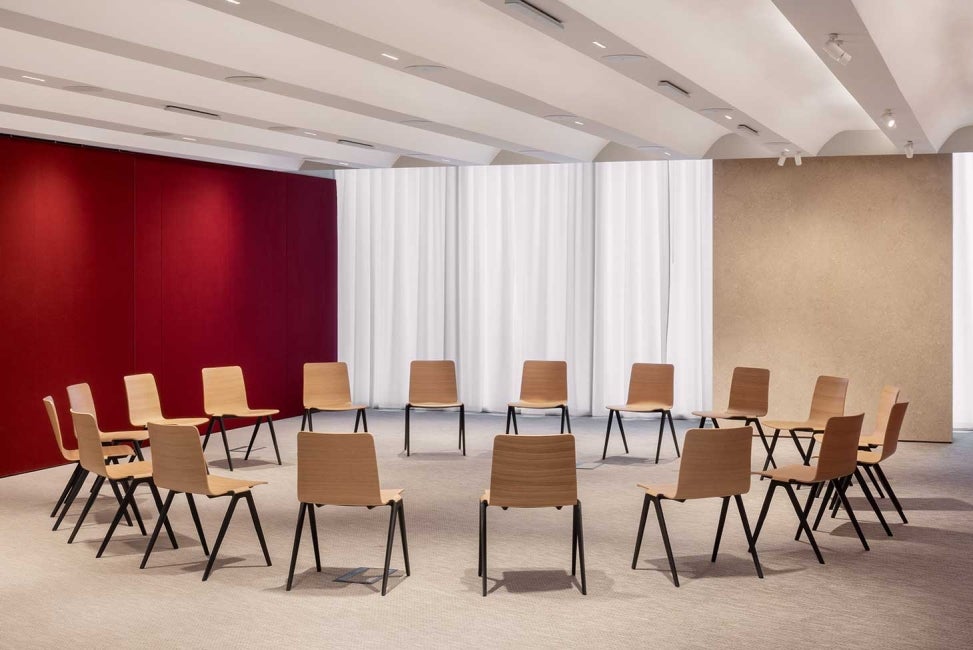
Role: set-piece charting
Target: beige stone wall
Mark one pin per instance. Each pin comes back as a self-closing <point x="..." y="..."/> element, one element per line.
<point x="841" y="266"/>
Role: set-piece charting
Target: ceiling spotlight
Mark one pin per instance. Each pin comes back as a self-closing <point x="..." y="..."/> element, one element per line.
<point x="579" y="122"/>
<point x="532" y="11"/>
<point x="667" y="153"/>
<point x="343" y="164"/>
<point x="245" y="78"/>
<point x="728" y="117"/>
<point x="188" y="139"/>
<point x="310" y="133"/>
<point x="910" y="149"/>
<point x="233" y="2"/>
<point x="597" y="44"/>
<point x="27" y="76"/>
<point x="782" y="159"/>
<point x="835" y="51"/>
<point x="389" y="56"/>
<point x="797" y="159"/>
<point x="624" y="58"/>
<point x="888" y="118"/>
<point x="425" y="67"/>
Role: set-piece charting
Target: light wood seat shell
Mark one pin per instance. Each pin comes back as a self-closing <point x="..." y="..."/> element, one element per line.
<point x="432" y="385"/>
<point x="543" y="385"/>
<point x="650" y="390"/>
<point x="225" y="396"/>
<point x="144" y="405"/>
<point x="81" y="400"/>
<point x="827" y="401"/>
<point x="327" y="388"/>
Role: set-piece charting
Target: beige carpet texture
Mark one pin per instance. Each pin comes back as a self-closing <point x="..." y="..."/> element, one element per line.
<point x="910" y="591"/>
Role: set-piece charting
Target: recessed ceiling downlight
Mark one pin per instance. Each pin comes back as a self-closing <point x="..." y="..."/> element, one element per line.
<point x="159" y="134"/>
<point x="84" y="89"/>
<point x="624" y="58"/>
<point x="284" y="129"/>
<point x="192" y="111"/>
<point x="245" y="78"/>
<point x="425" y="67"/>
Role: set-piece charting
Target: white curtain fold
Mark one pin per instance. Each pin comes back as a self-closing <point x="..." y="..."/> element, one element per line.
<point x="962" y="291"/>
<point x="599" y="265"/>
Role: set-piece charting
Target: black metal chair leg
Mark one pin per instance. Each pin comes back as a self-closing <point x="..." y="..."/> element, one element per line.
<point x="405" y="540"/>
<point x="313" y="525"/>
<point x="665" y="539"/>
<point x="719" y="528"/>
<point x="310" y="420"/>
<point x="158" y="504"/>
<point x="574" y="541"/>
<point x="608" y="432"/>
<point x="256" y="525"/>
<point x="851" y="515"/>
<point x="812" y="493"/>
<point x="890" y="492"/>
<point x="119" y="499"/>
<point x="658" y="444"/>
<point x="388" y="546"/>
<point x="462" y="427"/>
<point x="297" y="543"/>
<point x="364" y="421"/>
<point x="357" y="420"/>
<point x="871" y="475"/>
<point x="135" y="510"/>
<point x="509" y="410"/>
<point x="273" y="438"/>
<point x="483" y="545"/>
<point x="304" y="420"/>
<point x="805" y="457"/>
<point x="67" y="488"/>
<point x="800" y="516"/>
<point x="770" y="454"/>
<point x="716" y="425"/>
<point x="763" y="513"/>
<point x="516" y="430"/>
<point x="824" y="504"/>
<point x="580" y="538"/>
<point x="130" y="490"/>
<point x="621" y="429"/>
<point x="163" y="515"/>
<point x="407" y="410"/>
<point x="872" y="502"/>
<point x="95" y="489"/>
<point x="220" y="536"/>
<point x="209" y="430"/>
<point x="75" y="489"/>
<point x="199" y="525"/>
<point x="253" y="438"/>
<point x="226" y="444"/>
<point x="702" y="423"/>
<point x="567" y="417"/>
<point x="672" y="430"/>
<point x="638" y="538"/>
<point x="138" y="449"/>
<point x="746" y="530"/>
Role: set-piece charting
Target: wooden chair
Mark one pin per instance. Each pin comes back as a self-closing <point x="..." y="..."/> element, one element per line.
<point x="180" y="467"/>
<point x="839" y="451"/>
<point x="869" y="459"/>
<point x="82" y="401"/>
<point x="828" y="401"/>
<point x="543" y="385"/>
<point x="749" y="395"/>
<point x="78" y="476"/>
<point x="340" y="469"/>
<point x="129" y="475"/>
<point x="649" y="391"/>
<point x="534" y="472"/>
<point x="144" y="406"/>
<point x="716" y="464"/>
<point x="225" y="396"/>
<point x="432" y="385"/>
<point x="326" y="388"/>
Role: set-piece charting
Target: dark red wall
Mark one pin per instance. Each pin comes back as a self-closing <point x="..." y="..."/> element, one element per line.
<point x="114" y="263"/>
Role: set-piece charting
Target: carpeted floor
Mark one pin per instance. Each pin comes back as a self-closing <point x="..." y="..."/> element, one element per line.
<point x="909" y="591"/>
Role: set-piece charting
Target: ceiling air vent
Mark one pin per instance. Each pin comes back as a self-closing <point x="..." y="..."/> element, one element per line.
<point x="192" y="111"/>
<point x="355" y="143"/>
<point x="747" y="130"/>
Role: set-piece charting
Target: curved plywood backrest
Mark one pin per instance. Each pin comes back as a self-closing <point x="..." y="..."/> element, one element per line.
<point x="224" y="392"/>
<point x="337" y="469"/>
<point x="143" y="399"/>
<point x="839" y="447"/>
<point x="893" y="428"/>
<point x="432" y="381"/>
<point x="326" y="384"/>
<point x="90" y="451"/>
<point x="177" y="458"/>
<point x="56" y="427"/>
<point x="534" y="471"/>
<point x="828" y="400"/>
<point x="888" y="398"/>
<point x="81" y="400"/>
<point x="544" y="381"/>
<point x="749" y="390"/>
<point x="651" y="382"/>
<point x="715" y="463"/>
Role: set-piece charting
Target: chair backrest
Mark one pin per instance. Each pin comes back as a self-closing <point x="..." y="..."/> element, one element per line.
<point x="839" y="447"/>
<point x="432" y="381"/>
<point x="337" y="469"/>
<point x="544" y="381"/>
<point x="715" y="463"/>
<point x="143" y="399"/>
<point x="651" y="382"/>
<point x="177" y="458"/>
<point x="81" y="400"/>
<point x="893" y="428"/>
<point x="888" y="398"/>
<point x="534" y="471"/>
<point x="56" y="426"/>
<point x="828" y="400"/>
<point x="750" y="390"/>
<point x="326" y="384"/>
<point x="224" y="392"/>
<point x="90" y="452"/>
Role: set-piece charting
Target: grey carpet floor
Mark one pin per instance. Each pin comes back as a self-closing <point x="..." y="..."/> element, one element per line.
<point x="910" y="591"/>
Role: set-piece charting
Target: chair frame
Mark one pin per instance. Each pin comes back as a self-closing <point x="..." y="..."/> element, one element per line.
<point x="665" y="413"/>
<point x="461" y="442"/>
<point x="219" y="419"/>
<point x="309" y="411"/>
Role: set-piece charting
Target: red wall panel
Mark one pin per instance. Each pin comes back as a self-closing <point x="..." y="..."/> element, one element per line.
<point x="113" y="263"/>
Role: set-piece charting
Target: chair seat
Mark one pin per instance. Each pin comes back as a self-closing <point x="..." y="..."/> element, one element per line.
<point x="532" y="404"/>
<point x="247" y="413"/>
<point x="394" y="494"/>
<point x="729" y="414"/>
<point x="223" y="485"/>
<point x="116" y="436"/>
<point x="138" y="469"/>
<point x="793" y="425"/>
<point x="792" y="473"/>
<point x="346" y="406"/>
<point x="869" y="457"/>
<point x="435" y="405"/>
<point x="642" y="407"/>
<point x="192" y="422"/>
<point x="666" y="490"/>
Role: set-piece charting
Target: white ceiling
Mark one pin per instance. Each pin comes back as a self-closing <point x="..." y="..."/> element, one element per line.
<point x="494" y="84"/>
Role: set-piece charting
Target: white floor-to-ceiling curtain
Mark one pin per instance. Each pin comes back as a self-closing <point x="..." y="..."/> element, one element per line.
<point x="963" y="291"/>
<point x="599" y="265"/>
